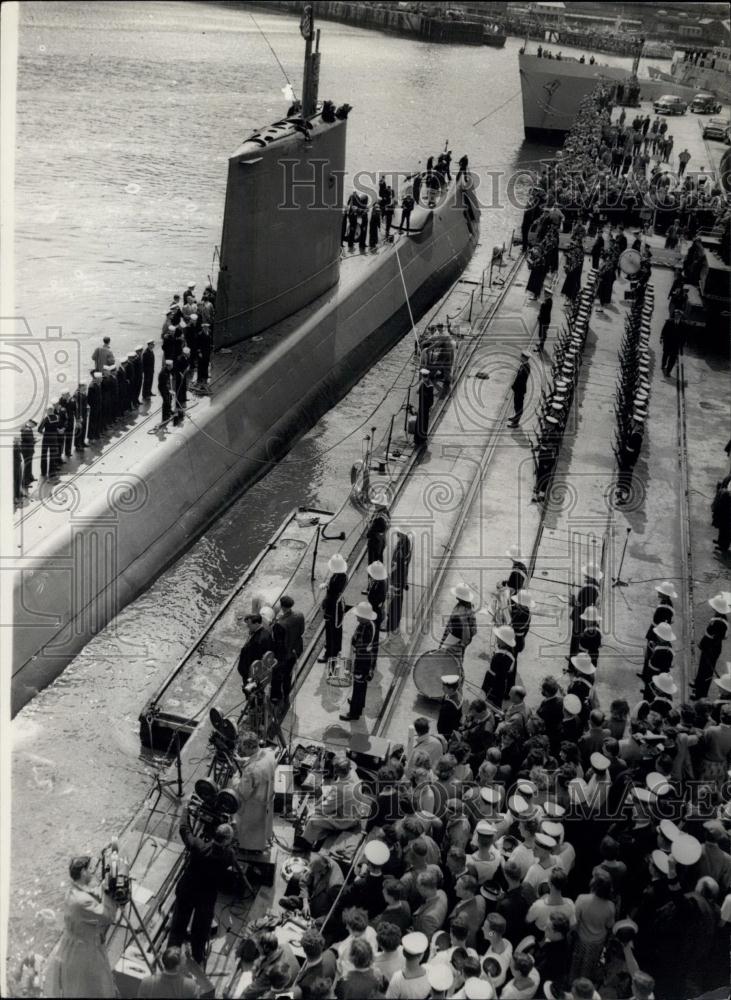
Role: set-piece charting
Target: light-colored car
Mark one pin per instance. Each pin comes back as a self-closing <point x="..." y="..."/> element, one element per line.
<point x="705" y="104"/>
<point x="669" y="104"/>
<point x="717" y="128"/>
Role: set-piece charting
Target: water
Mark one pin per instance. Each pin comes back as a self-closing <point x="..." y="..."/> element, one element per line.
<point x="126" y="115"/>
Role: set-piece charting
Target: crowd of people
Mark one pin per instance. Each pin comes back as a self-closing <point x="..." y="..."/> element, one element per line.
<point x="118" y="389"/>
<point x="614" y="171"/>
<point x="570" y="851"/>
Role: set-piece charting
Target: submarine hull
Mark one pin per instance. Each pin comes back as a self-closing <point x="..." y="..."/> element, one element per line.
<point x="98" y="556"/>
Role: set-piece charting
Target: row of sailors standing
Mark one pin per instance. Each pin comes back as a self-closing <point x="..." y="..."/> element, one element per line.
<point x="360" y="227"/>
<point x="81" y="417"/>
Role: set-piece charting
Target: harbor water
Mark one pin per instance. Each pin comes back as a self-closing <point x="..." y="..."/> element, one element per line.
<point x="127" y="113"/>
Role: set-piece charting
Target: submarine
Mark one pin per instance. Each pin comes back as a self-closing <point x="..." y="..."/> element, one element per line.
<point x="299" y="319"/>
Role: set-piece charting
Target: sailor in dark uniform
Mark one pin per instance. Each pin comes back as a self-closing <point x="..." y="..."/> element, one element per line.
<point x="94" y="399"/>
<point x="521" y="605"/>
<point x="660" y="694"/>
<point x="450" y="710"/>
<point x="518" y="576"/>
<point x="148" y="369"/>
<point x="711" y="644"/>
<point x="658" y="652"/>
<point x="362" y="660"/>
<point x="587" y="596"/>
<point x="377" y="594"/>
<point x="69" y="424"/>
<point x="461" y="626"/>
<point x="180" y="385"/>
<point x="425" y="396"/>
<point x="495" y="681"/>
<point x="664" y="612"/>
<point x="627" y="457"/>
<point x="82" y="411"/>
<point x="547" y="455"/>
<point x="138" y="374"/>
<point x="520" y="387"/>
<point x="18" y="491"/>
<point x="398" y="583"/>
<point x="123" y="404"/>
<point x="333" y="607"/>
<point x="204" y="346"/>
<point x="590" y="638"/>
<point x="48" y="428"/>
<point x="165" y="389"/>
<point x="28" y="448"/>
<point x="109" y="397"/>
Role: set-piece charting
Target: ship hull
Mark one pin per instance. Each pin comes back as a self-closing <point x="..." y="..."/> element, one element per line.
<point x="552" y="90"/>
<point x="70" y="591"/>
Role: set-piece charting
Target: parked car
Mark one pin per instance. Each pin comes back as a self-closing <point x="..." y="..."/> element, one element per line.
<point x="670" y="105"/>
<point x="717" y="128"/>
<point x="705" y="104"/>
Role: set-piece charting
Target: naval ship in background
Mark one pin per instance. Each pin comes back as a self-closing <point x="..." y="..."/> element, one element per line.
<point x="552" y="89"/>
<point x="300" y="325"/>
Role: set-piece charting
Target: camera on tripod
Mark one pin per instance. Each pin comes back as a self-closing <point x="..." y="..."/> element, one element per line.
<point x="115" y="874"/>
<point x="211" y="806"/>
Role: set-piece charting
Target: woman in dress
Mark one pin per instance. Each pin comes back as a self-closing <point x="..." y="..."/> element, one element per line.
<point x="79" y="966"/>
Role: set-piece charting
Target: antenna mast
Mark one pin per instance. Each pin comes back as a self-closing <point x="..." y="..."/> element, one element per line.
<point x="311" y="80"/>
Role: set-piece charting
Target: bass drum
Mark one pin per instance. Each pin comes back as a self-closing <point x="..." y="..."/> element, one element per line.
<point x="629" y="262"/>
<point x="431" y="667"/>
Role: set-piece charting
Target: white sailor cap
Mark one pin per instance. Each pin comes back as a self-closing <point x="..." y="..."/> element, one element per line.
<point x="485" y="829"/>
<point x="449" y="679"/>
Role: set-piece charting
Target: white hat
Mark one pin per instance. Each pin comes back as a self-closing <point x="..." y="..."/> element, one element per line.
<point x="267" y="613"/>
<point x="377" y="853"/>
<point x="572" y="704"/>
<point x="591" y="615"/>
<point x="518" y="806"/>
<point x="657" y="783"/>
<point x="592" y="571"/>
<point x="490" y="794"/>
<point x="545" y="840"/>
<point x="337" y="564"/>
<point x="599" y="762"/>
<point x="551" y="808"/>
<point x="141" y="348"/>
<point x="424" y="371"/>
<point x="449" y="679"/>
<point x="514" y="553"/>
<point x="554" y="830"/>
<point x="463" y="593"/>
<point x="131" y="354"/>
<point x="505" y="634"/>
<point x="440" y="976"/>
<point x="665" y="684"/>
<point x="660" y="860"/>
<point x="485" y="829"/>
<point x="720" y="604"/>
<point x="377" y="571"/>
<point x="667" y="589"/>
<point x="723" y="681"/>
<point x="664" y="632"/>
<point x="526" y="788"/>
<point x="686" y="849"/>
<point x="669" y="830"/>
<point x="169" y="362"/>
<point x="478" y="989"/>
<point x="415" y="943"/>
<point x="524" y="598"/>
<point x="365" y="611"/>
<point x="186" y="351"/>
<point x="97" y="375"/>
<point x="582" y="663"/>
<point x="191" y="284"/>
<point x="193" y="317"/>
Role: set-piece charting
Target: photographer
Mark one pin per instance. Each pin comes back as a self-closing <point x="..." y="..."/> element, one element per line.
<point x="79" y="966"/>
<point x="206" y="870"/>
